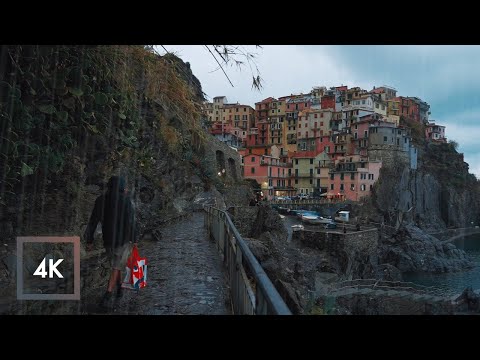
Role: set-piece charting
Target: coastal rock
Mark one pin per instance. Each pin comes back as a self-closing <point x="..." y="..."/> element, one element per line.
<point x="415" y="250"/>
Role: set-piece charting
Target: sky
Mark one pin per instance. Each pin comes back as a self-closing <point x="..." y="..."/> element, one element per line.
<point x="446" y="77"/>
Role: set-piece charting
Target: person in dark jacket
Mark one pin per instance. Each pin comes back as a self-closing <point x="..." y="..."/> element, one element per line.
<point x="115" y="211"/>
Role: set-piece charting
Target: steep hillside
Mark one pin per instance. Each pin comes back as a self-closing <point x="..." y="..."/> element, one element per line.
<point x="440" y="194"/>
<point x="72" y="116"/>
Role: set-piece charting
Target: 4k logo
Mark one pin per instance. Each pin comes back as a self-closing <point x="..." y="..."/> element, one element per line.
<point x="58" y="269"/>
<point x="52" y="269"/>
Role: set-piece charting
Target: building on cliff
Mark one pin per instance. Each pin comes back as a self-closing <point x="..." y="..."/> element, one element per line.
<point x="352" y="177"/>
<point x="435" y="132"/>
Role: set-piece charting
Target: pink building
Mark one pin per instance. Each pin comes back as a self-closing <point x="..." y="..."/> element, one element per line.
<point x="435" y="132"/>
<point x="353" y="177"/>
<point x="273" y="176"/>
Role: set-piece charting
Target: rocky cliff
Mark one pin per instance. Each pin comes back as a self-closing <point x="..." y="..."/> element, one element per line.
<point x="411" y="204"/>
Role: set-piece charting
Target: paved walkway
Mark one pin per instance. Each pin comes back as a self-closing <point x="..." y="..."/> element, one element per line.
<point x="185" y="275"/>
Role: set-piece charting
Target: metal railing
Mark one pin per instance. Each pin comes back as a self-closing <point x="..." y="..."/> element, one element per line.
<point x="252" y="294"/>
<point x="376" y="284"/>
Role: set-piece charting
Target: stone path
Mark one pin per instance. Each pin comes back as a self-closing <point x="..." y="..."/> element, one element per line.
<point x="185" y="275"/>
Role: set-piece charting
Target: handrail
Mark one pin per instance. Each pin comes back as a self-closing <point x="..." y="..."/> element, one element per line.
<point x="394" y="285"/>
<point x="262" y="298"/>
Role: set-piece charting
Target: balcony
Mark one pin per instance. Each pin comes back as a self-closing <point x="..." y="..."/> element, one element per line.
<point x="304" y="175"/>
<point x="284" y="188"/>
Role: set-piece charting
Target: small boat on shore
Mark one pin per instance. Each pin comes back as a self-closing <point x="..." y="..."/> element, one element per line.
<point x="316" y="219"/>
<point x="297" y="227"/>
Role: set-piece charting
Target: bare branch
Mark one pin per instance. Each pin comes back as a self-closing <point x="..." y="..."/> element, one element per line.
<point x="218" y="64"/>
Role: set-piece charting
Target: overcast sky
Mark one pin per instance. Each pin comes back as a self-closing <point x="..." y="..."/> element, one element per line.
<point x="447" y="77"/>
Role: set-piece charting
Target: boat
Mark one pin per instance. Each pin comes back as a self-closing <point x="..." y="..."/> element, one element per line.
<point x="314" y="219"/>
<point x="297" y="227"/>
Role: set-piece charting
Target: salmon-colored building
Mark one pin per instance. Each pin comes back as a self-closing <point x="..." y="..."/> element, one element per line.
<point x="273" y="175"/>
<point x="352" y="177"/>
<point x="262" y="119"/>
<point x="435" y="132"/>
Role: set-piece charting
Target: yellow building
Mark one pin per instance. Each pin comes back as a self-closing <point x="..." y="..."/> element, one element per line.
<point x="393" y="111"/>
<point x="304" y="171"/>
<point x="323" y="164"/>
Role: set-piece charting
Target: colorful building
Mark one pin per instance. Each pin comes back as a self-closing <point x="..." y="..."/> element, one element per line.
<point x="304" y="171"/>
<point x="273" y="175"/>
<point x="434" y="132"/>
<point x="322" y="166"/>
<point x="352" y="177"/>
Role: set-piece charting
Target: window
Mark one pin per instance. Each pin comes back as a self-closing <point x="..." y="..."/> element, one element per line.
<point x="383" y="107"/>
<point x="318" y="171"/>
<point x="365" y="134"/>
<point x="341" y="176"/>
<point x="371" y="187"/>
<point x="352" y="176"/>
<point x="311" y="172"/>
<point x="321" y="115"/>
<point x="253" y="158"/>
<point x="356" y="126"/>
<point x="362" y="187"/>
<point x="385" y="139"/>
<point x="363" y="102"/>
<point x="296" y="161"/>
<point x="273" y="111"/>
<point x="244" y="109"/>
<point x="313" y="142"/>
<point x="296" y="172"/>
<point x="311" y="161"/>
<point x="341" y="187"/>
<point x="370" y="176"/>
<point x="355" y="136"/>
<point x="306" y="104"/>
<point x="331" y="186"/>
<point x="321" y="123"/>
<point x="352" y="187"/>
<point x="376" y="105"/>
<point x="315" y="116"/>
<point x="216" y="118"/>
<point x="296" y="181"/>
<point x="253" y="170"/>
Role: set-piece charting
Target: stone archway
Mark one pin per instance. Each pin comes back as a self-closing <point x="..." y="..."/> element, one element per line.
<point x="220" y="156"/>
<point x="232" y="169"/>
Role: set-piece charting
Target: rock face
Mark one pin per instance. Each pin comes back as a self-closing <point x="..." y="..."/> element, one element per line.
<point x="431" y="205"/>
<point x="170" y="162"/>
<point x="413" y="250"/>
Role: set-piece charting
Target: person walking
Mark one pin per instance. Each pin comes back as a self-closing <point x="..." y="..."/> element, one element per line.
<point x="115" y="211"/>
